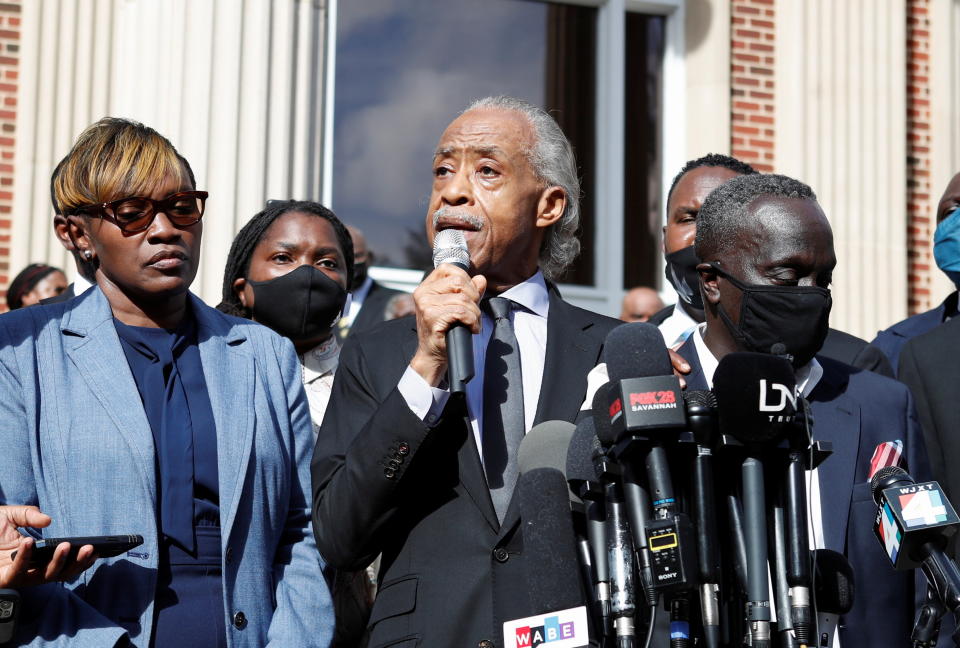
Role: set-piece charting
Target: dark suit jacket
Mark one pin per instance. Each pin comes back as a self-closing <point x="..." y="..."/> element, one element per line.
<point x="892" y="340"/>
<point x="857" y="410"/>
<point x="386" y="482"/>
<point x="853" y="351"/>
<point x="374" y="308"/>
<point x="930" y="366"/>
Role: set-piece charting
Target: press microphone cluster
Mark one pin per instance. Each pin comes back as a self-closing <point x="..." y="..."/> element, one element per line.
<point x="653" y="540"/>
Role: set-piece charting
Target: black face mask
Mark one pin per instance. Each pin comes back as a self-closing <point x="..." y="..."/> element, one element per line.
<point x="681" y="271"/>
<point x="301" y="305"/>
<point x="359" y="275"/>
<point x="784" y="320"/>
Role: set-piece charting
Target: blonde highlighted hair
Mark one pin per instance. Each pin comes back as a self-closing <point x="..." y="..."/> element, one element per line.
<point x="115" y="158"/>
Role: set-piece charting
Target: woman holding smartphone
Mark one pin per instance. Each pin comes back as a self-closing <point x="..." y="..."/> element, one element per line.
<point x="137" y="409"/>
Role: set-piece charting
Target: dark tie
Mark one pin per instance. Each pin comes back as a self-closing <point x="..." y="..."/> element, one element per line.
<point x="503" y="422"/>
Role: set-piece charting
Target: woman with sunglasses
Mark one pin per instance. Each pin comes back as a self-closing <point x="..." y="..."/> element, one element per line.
<point x="137" y="409"/>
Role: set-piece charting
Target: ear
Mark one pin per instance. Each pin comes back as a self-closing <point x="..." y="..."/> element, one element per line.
<point x="76" y="236"/>
<point x="61" y="228"/>
<point x="552" y="203"/>
<point x="663" y="240"/>
<point x="238" y="289"/>
<point x="708" y="277"/>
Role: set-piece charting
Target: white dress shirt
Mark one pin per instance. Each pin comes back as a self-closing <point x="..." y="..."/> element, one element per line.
<point x="529" y="317"/>
<point x="357" y="298"/>
<point x="678" y="327"/>
<point x="318" y="365"/>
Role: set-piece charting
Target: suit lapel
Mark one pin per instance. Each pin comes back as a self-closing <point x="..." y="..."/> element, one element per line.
<point x="695" y="379"/>
<point x="228" y="369"/>
<point x="836" y="419"/>
<point x="92" y="344"/>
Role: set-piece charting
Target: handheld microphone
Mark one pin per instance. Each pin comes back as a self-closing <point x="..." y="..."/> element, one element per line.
<point x="917" y="527"/>
<point x="834" y="593"/>
<point x="582" y="478"/>
<point x="756" y="402"/>
<point x="450" y="246"/>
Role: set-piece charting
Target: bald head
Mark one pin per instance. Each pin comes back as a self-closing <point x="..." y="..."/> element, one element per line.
<point x="640" y="304"/>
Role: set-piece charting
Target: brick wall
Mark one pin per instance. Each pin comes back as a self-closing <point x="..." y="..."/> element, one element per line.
<point x="921" y="196"/>
<point x="751" y="54"/>
<point x="9" y="64"/>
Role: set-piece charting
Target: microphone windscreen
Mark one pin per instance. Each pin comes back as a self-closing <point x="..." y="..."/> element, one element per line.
<point x="580" y="453"/>
<point x="450" y="246"/>
<point x="833" y="582"/>
<point x="756" y="396"/>
<point x="601" y="416"/>
<point x="886" y="478"/>
<point x="636" y="350"/>
<point x="549" y="544"/>
<point x="545" y="446"/>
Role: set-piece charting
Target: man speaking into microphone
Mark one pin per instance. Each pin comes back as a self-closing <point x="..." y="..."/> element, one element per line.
<point x="767" y="260"/>
<point x="424" y="474"/>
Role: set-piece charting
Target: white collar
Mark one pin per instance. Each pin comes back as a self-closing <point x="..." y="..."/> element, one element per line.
<point x="807" y="376"/>
<point x="320" y="360"/>
<point x="532" y="294"/>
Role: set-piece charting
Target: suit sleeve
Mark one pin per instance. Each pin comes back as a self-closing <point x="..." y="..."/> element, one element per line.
<point x="364" y="449"/>
<point x="51" y="615"/>
<point x="872" y="359"/>
<point x="304" y="607"/>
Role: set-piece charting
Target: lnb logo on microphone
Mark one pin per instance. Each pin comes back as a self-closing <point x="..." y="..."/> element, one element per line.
<point x="774" y="398"/>
<point x="562" y="629"/>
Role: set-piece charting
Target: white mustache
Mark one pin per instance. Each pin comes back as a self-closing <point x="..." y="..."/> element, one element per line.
<point x="457" y="215"/>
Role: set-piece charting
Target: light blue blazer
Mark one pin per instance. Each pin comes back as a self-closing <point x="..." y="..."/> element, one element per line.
<point x="74" y="440"/>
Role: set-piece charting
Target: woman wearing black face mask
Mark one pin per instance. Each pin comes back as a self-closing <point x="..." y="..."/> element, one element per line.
<point x="289" y="269"/>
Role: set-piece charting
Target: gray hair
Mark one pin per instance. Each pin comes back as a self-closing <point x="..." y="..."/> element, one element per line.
<point x="552" y="160"/>
<point x="725" y="210"/>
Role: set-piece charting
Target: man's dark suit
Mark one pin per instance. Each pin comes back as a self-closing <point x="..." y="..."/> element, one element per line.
<point x="374" y="309"/>
<point x="857" y="410"/>
<point x="930" y="367"/>
<point x="892" y="340"/>
<point x="384" y="481"/>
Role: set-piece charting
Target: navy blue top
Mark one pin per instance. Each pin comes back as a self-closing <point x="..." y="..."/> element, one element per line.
<point x="168" y="372"/>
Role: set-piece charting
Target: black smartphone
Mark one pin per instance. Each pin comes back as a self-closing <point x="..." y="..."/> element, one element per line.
<point x="103" y="546"/>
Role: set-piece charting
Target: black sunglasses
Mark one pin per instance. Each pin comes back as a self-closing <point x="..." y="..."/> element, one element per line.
<point x="136" y="213"/>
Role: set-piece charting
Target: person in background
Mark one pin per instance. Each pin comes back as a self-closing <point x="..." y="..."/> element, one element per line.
<point x="689" y="190"/>
<point x="136" y="408"/>
<point x="640" y="304"/>
<point x="288" y="269"/>
<point x="36" y="282"/>
<point x="369" y="300"/>
<point x="400" y="306"/>
<point x="946" y="252"/>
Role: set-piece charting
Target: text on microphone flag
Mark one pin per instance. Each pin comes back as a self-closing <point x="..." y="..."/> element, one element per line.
<point x="890" y="533"/>
<point x="922" y="508"/>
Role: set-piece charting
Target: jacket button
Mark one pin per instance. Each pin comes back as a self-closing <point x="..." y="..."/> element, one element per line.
<point x="228" y="556"/>
<point x="240" y="620"/>
<point x="393" y="464"/>
<point x="389" y="473"/>
<point x="501" y="555"/>
<point x="403" y="449"/>
<point x="486" y="643"/>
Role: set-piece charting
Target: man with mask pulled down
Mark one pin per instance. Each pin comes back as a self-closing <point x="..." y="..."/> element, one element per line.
<point x="690" y="188"/>
<point x="767" y="260"/>
<point x="946" y="252"/>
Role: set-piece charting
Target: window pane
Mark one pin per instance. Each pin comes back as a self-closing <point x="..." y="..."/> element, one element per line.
<point x="403" y="72"/>
<point x="641" y="218"/>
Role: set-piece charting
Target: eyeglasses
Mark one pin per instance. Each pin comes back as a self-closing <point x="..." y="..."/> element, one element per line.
<point x="135" y="214"/>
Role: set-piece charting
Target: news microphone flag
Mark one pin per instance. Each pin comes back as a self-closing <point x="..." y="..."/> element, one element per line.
<point x="560" y="629"/>
<point x="888" y="453"/>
